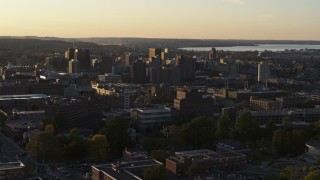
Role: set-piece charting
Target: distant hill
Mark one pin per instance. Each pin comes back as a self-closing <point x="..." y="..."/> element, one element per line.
<point x="54" y="42"/>
<point x="40" y="44"/>
<point x="178" y="43"/>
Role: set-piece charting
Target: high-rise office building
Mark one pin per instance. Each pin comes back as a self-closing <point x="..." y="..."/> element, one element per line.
<point x="83" y="56"/>
<point x="74" y="66"/>
<point x="106" y="63"/>
<point x="138" y="72"/>
<point x="187" y="67"/>
<point x="69" y="54"/>
<point x="153" y="52"/>
<point x="212" y="55"/>
<point x="263" y="71"/>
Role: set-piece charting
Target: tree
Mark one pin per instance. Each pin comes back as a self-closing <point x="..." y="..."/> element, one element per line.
<point x="49" y="129"/>
<point x="200" y="131"/>
<point x="268" y="131"/>
<point x="99" y="146"/>
<point x="75" y="147"/>
<point x="291" y="173"/>
<point x="159" y="155"/>
<point x="155" y="173"/>
<point x="155" y="144"/>
<point x="45" y="147"/>
<point x="74" y="135"/>
<point x="289" y="142"/>
<point x="246" y="127"/>
<point x="118" y="135"/>
<point x="313" y="175"/>
<point x="223" y="127"/>
<point x="286" y="123"/>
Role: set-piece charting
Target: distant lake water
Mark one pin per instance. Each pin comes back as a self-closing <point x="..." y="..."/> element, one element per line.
<point x="258" y="47"/>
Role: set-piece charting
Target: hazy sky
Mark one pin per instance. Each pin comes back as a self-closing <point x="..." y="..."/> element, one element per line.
<point x="212" y="19"/>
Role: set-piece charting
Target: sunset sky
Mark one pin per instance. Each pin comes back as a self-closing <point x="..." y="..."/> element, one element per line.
<point x="203" y="19"/>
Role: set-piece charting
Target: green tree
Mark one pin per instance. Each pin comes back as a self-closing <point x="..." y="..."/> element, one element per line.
<point x="159" y="155"/>
<point x="49" y="129"/>
<point x="99" y="146"/>
<point x="45" y="147"/>
<point x="292" y="173"/>
<point x="268" y="131"/>
<point x="200" y="131"/>
<point x="118" y="135"/>
<point x="286" y="123"/>
<point x="247" y="128"/>
<point x="155" y="144"/>
<point x="224" y="126"/>
<point x="75" y="147"/>
<point x="155" y="173"/>
<point x="313" y="175"/>
<point x="74" y="135"/>
<point x="289" y="142"/>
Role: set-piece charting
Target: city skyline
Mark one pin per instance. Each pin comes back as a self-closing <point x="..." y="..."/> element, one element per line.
<point x="187" y="19"/>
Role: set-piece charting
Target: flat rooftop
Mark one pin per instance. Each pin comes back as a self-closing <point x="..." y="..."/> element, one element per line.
<point x="23" y="96"/>
<point x="126" y="170"/>
<point x="11" y="165"/>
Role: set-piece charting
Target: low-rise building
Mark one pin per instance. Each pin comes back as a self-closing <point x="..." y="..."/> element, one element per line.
<point x="131" y="170"/>
<point x="151" y="117"/>
<point x="73" y="112"/>
<point x="25" y="102"/>
<point x="109" y="78"/>
<point x="192" y="101"/>
<point x="257" y="104"/>
<point x="312" y="154"/>
<point x="207" y="159"/>
<point x="23" y="121"/>
<point x="12" y="171"/>
<point x="297" y="116"/>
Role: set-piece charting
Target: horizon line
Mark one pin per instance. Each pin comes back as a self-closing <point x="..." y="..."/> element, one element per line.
<point x="165" y="38"/>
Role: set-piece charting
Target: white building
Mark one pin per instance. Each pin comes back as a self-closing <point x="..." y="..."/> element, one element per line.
<point x="151" y="117"/>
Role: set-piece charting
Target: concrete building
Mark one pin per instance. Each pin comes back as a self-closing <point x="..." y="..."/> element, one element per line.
<point x="69" y="54"/>
<point x="263" y="71"/>
<point x="73" y="112"/>
<point x="292" y="100"/>
<point x="117" y="96"/>
<point x="74" y="66"/>
<point x="207" y="159"/>
<point x="110" y="78"/>
<point x="107" y="63"/>
<point x="25" y="102"/>
<point x="166" y="91"/>
<point x="192" y="101"/>
<point x="23" y="121"/>
<point x="187" y="66"/>
<point x="163" y="74"/>
<point x="132" y="170"/>
<point x="138" y="72"/>
<point x="12" y="171"/>
<point x="151" y="117"/>
<point x="297" y="116"/>
<point x="257" y="104"/>
<point x="83" y="56"/>
<point x="313" y="150"/>
<point x="212" y="55"/>
<point x="154" y="52"/>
